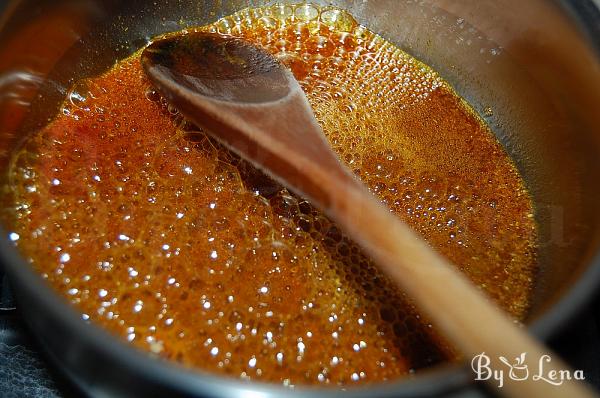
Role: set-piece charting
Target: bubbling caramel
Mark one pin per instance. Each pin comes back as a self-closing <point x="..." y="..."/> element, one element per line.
<point x="160" y="235"/>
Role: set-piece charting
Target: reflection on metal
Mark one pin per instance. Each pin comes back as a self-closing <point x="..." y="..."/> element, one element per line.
<point x="16" y="86"/>
<point x="7" y="301"/>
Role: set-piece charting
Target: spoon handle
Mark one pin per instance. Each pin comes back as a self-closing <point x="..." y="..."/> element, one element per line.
<point x="467" y="316"/>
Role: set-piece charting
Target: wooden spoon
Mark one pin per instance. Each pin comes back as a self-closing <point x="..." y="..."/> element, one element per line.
<point x="247" y="100"/>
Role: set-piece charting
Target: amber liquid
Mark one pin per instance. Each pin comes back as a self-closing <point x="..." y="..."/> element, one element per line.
<point x="158" y="234"/>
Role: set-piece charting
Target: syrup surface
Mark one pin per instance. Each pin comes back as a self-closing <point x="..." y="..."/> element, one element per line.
<point x="158" y="234"/>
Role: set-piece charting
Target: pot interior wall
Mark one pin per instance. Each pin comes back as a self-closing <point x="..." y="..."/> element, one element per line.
<point x="518" y="73"/>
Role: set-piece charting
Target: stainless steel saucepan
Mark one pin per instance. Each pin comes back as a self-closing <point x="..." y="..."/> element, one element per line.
<point x="530" y="68"/>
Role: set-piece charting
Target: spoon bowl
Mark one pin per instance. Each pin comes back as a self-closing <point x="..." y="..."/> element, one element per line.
<point x="220" y="67"/>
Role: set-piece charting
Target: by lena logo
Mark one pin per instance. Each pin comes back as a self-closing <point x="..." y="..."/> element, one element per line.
<point x="518" y="370"/>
